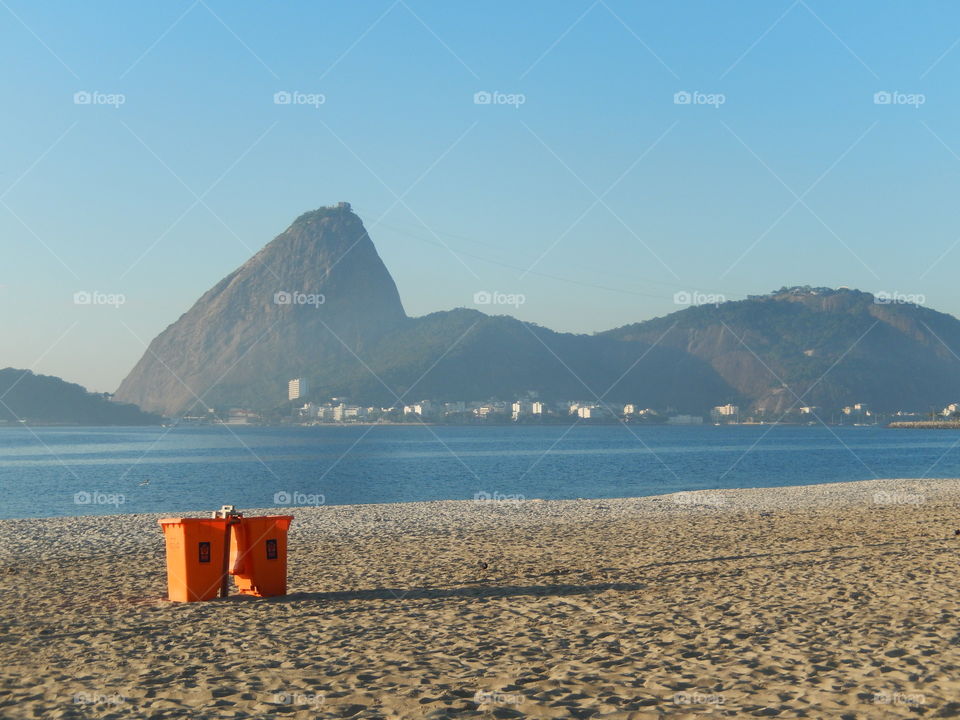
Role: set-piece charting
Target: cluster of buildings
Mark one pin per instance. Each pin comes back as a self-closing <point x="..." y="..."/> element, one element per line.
<point x="526" y="409"/>
<point x="337" y="410"/>
<point x="530" y="408"/>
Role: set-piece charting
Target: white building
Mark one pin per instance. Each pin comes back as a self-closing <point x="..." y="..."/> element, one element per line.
<point x="593" y="412"/>
<point x="296" y="389"/>
<point x="422" y="408"/>
<point x="521" y="408"/>
<point x="485" y="410"/>
<point x="723" y="413"/>
<point x="857" y="409"/>
<point x="309" y="410"/>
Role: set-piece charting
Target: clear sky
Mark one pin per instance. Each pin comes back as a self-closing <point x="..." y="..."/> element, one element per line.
<point x="598" y="197"/>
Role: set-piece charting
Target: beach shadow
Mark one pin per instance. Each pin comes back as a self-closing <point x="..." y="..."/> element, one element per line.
<point x="463" y="591"/>
<point x="789" y="553"/>
<point x="481" y="589"/>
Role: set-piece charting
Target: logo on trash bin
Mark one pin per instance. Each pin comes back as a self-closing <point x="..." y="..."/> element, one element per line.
<point x="272" y="550"/>
<point x="204" y="552"/>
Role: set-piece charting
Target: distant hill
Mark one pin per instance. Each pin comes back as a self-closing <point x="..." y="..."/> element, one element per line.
<point x="318" y="303"/>
<point x="829" y="347"/>
<point x="465" y="354"/>
<point x="46" y="400"/>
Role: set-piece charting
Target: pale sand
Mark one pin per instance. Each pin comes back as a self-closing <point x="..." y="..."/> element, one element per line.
<point x="823" y="602"/>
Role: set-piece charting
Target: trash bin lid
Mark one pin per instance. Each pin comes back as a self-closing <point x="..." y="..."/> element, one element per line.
<point x="183" y="520"/>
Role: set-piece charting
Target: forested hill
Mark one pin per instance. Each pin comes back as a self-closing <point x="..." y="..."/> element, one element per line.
<point x="46" y="400"/>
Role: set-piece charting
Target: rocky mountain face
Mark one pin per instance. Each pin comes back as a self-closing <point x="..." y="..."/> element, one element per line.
<point x="300" y="307"/>
<point x="318" y="303"/>
<point x="818" y="346"/>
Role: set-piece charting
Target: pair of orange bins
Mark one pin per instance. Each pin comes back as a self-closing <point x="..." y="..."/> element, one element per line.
<point x="203" y="552"/>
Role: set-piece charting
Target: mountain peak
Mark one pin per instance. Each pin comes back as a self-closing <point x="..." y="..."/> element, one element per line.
<point x="312" y="296"/>
<point x="325" y="211"/>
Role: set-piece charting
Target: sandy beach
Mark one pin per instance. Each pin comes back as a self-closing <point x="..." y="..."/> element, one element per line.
<point x="830" y="601"/>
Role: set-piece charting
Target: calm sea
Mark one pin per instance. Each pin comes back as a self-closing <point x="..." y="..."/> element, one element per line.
<point x="86" y="471"/>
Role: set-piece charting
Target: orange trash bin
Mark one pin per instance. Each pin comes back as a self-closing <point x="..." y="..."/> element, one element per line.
<point x="258" y="555"/>
<point x="195" y="554"/>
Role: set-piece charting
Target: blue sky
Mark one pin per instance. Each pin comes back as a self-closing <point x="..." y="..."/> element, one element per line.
<point x="598" y="198"/>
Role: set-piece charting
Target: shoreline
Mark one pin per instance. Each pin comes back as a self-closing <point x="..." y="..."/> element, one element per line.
<point x="416" y="514"/>
<point x="938" y="425"/>
<point x="842" y="491"/>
